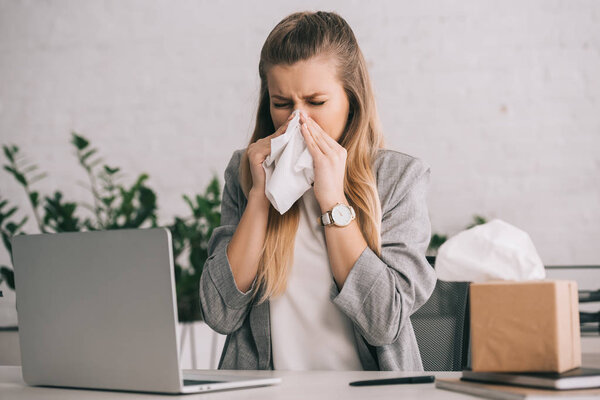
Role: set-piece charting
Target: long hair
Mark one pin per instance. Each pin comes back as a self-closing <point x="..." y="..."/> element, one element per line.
<point x="298" y="37"/>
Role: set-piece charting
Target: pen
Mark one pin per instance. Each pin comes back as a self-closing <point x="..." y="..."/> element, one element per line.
<point x="395" y="381"/>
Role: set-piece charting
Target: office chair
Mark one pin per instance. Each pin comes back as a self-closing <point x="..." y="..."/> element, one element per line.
<point x="442" y="327"/>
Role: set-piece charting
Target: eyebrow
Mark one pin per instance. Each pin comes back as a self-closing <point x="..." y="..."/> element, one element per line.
<point x="310" y="96"/>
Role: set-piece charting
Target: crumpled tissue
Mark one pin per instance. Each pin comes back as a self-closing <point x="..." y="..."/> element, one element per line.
<point x="289" y="168"/>
<point x="493" y="251"/>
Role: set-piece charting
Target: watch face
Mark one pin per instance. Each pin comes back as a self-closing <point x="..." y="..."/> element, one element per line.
<point x="341" y="215"/>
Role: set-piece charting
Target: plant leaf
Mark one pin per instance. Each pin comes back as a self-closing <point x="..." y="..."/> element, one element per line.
<point x="477" y="220"/>
<point x="34" y="197"/>
<point x="30" y="168"/>
<point x="111" y="171"/>
<point x="10" y="212"/>
<point x="11" y="227"/>
<point x="188" y="201"/>
<point x="38" y="177"/>
<point x="79" y="141"/>
<point x="8" y="153"/>
<point x="6" y="241"/>
<point x="18" y="176"/>
<point x="8" y="275"/>
<point x="95" y="162"/>
<point x="88" y="154"/>
<point x="23" y="221"/>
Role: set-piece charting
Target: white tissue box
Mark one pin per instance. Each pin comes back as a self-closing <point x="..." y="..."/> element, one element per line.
<point x="525" y="326"/>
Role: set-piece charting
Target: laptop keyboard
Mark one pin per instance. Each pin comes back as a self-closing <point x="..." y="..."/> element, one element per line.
<point x="189" y="382"/>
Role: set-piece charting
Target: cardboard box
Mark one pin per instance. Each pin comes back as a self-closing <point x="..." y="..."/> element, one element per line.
<point x="525" y="326"/>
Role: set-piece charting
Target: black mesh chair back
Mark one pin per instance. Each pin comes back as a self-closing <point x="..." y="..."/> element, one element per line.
<point x="442" y="327"/>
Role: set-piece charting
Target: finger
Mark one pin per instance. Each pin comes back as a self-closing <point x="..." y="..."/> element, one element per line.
<point x="318" y="134"/>
<point x="313" y="148"/>
<point x="331" y="141"/>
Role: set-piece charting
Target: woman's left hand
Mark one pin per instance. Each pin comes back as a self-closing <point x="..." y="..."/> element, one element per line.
<point x="329" y="159"/>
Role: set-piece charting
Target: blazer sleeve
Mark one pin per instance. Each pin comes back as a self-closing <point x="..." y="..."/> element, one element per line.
<point x="224" y="306"/>
<point x="380" y="294"/>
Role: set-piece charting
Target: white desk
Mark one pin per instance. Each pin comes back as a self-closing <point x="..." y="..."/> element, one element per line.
<point x="295" y="385"/>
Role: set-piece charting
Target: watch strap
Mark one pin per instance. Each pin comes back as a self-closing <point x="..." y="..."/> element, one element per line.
<point x="327" y="219"/>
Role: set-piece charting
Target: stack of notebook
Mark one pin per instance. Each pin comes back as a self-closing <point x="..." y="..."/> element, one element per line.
<point x="576" y="383"/>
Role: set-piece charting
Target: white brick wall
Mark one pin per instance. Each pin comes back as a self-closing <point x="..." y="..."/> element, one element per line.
<point x="501" y="98"/>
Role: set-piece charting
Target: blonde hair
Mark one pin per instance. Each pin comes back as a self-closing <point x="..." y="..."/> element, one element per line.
<point x="301" y="36"/>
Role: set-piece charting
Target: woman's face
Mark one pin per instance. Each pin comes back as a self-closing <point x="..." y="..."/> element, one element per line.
<point x="312" y="86"/>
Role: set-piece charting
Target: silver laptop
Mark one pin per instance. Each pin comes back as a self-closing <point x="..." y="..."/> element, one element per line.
<point x="97" y="310"/>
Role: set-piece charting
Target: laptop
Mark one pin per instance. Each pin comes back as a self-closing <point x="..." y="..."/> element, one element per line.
<point x="97" y="310"/>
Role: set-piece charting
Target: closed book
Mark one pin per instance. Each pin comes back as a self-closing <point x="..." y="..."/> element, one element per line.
<point x="508" y="392"/>
<point x="578" y="378"/>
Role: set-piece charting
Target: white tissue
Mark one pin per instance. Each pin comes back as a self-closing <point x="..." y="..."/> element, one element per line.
<point x="492" y="251"/>
<point x="289" y="168"/>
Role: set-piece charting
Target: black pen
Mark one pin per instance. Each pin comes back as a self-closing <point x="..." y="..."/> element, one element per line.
<point x="395" y="381"/>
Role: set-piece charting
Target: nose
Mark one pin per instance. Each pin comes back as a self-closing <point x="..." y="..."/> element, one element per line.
<point x="302" y="113"/>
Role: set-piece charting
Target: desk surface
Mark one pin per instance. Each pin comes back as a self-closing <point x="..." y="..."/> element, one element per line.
<point x="294" y="385"/>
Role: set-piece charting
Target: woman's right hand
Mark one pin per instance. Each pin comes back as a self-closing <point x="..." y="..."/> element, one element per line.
<point x="257" y="153"/>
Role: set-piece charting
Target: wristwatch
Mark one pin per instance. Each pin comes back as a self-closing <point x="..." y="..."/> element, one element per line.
<point x="340" y="215"/>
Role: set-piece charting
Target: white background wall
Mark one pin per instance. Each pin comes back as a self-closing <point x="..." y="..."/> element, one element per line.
<point x="501" y="98"/>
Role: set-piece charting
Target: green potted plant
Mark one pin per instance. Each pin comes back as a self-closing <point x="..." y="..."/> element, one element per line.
<point x="115" y="206"/>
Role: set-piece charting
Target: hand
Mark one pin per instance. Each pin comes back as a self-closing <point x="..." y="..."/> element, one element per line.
<point x="257" y="153"/>
<point x="329" y="159"/>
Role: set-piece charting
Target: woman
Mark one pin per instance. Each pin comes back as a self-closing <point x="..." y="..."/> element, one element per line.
<point x="288" y="292"/>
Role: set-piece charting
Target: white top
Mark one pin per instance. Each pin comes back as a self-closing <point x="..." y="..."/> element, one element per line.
<point x="308" y="331"/>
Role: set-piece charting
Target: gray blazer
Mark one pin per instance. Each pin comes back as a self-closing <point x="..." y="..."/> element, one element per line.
<point x="379" y="294"/>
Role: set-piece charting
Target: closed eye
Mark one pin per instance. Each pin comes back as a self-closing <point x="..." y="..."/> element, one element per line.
<point x="314" y="103"/>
